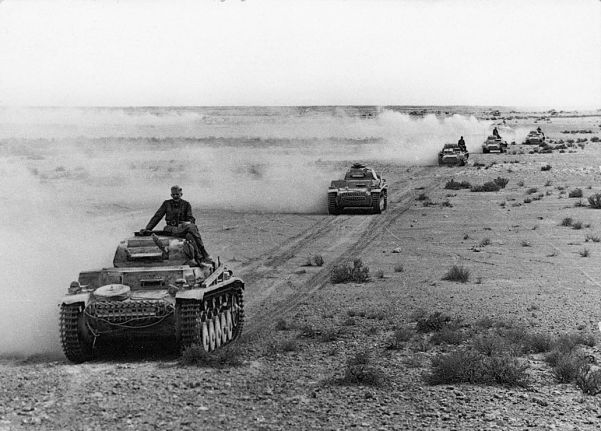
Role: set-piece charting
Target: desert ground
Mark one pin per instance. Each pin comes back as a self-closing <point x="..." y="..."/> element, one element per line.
<point x="295" y="367"/>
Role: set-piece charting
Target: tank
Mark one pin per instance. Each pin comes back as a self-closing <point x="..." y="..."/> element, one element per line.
<point x="534" y="138"/>
<point x="494" y="144"/>
<point x="452" y="154"/>
<point x="362" y="187"/>
<point x="155" y="289"/>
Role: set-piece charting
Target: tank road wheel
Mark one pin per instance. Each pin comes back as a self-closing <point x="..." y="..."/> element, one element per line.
<point x="332" y="206"/>
<point x="228" y="325"/>
<point x="218" y="334"/>
<point x="377" y="200"/>
<point x="211" y="335"/>
<point x="76" y="339"/>
<point x="224" y="333"/>
<point x="205" y="337"/>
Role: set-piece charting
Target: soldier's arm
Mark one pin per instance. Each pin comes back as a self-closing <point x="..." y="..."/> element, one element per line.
<point x="188" y="214"/>
<point x="156" y="218"/>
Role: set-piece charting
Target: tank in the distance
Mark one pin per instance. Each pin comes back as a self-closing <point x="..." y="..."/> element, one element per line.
<point x="155" y="289"/>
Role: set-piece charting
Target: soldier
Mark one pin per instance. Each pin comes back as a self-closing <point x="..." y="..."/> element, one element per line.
<point x="461" y="144"/>
<point x="495" y="132"/>
<point x="180" y="222"/>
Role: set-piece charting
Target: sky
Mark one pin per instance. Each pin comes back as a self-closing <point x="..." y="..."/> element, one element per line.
<point x="524" y="53"/>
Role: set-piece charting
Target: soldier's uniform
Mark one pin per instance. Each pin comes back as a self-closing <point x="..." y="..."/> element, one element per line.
<point x="180" y="223"/>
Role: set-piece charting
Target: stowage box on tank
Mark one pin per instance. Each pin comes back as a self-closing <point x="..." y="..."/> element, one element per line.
<point x="154" y="289"/>
<point x="362" y="187"/>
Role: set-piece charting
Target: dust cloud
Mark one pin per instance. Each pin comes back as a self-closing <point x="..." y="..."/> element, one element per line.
<point x="76" y="181"/>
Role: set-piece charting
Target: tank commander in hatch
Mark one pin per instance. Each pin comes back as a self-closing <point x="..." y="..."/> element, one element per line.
<point x="461" y="144"/>
<point x="180" y="222"/>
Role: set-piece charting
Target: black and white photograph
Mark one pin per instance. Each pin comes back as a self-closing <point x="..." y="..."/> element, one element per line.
<point x="300" y="215"/>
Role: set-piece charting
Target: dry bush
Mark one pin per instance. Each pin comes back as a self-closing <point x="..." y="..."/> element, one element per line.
<point x="314" y="260"/>
<point x="399" y="267"/>
<point x="548" y="183"/>
<point x="527" y="200"/>
<point x="567" y="221"/>
<point x="283" y="325"/>
<point x="585" y="253"/>
<point x="546" y="168"/>
<point x="344" y="273"/>
<point x="576" y="193"/>
<point x="501" y="182"/>
<point x="290" y="345"/>
<point x="400" y="336"/>
<point x="489" y="186"/>
<point x="520" y="183"/>
<point x="593" y="238"/>
<point x="422" y="197"/>
<point x="433" y="322"/>
<point x="595" y="201"/>
<point x="359" y="371"/>
<point x="588" y="379"/>
<point x="329" y="335"/>
<point x="457" y="273"/>
<point x="565" y="365"/>
<point x="484" y="242"/>
<point x="456" y="185"/>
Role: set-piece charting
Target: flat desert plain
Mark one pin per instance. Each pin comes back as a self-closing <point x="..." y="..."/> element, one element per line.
<point x="406" y="349"/>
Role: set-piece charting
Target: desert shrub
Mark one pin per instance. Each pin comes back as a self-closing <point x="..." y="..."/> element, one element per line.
<point x="468" y="366"/>
<point x="314" y="260"/>
<point x="566" y="365"/>
<point x="527" y="200"/>
<point x="344" y="273"/>
<point x="456" y="185"/>
<point x="537" y="343"/>
<point x="400" y="336"/>
<point x="520" y="183"/>
<point x="283" y="325"/>
<point x="359" y="371"/>
<point x="577" y="225"/>
<point x="422" y="197"/>
<point x="501" y="182"/>
<point x="546" y="168"/>
<point x="227" y="356"/>
<point x="588" y="379"/>
<point x="457" y="273"/>
<point x="489" y="186"/>
<point x="309" y="331"/>
<point x="568" y="342"/>
<point x="290" y="345"/>
<point x="593" y="238"/>
<point x="446" y="204"/>
<point x="448" y="336"/>
<point x="595" y="139"/>
<point x="492" y="344"/>
<point x="579" y="204"/>
<point x="485" y="322"/>
<point x="595" y="201"/>
<point x="567" y="221"/>
<point x="585" y="253"/>
<point x="484" y="242"/>
<point x="531" y="190"/>
<point x="433" y="322"/>
<point x="478" y="164"/>
<point x="576" y="193"/>
<point x="399" y="267"/>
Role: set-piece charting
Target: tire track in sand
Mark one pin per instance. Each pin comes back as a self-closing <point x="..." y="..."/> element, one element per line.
<point x="273" y="292"/>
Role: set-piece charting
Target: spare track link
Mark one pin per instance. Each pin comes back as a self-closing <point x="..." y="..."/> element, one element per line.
<point x="192" y="315"/>
<point x="74" y="345"/>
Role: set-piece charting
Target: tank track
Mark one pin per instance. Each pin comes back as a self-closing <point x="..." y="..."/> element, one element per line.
<point x="375" y="206"/>
<point x="201" y="322"/>
<point x="332" y="207"/>
<point x="75" y="346"/>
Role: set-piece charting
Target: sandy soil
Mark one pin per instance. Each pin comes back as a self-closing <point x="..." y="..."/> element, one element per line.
<point x="532" y="272"/>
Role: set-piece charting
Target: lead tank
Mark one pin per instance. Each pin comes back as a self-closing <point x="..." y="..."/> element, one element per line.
<point x="154" y="289"/>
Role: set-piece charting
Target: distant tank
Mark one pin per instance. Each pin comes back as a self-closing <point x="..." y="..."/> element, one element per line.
<point x="534" y="137"/>
<point x="154" y="289"/>
<point x="362" y="187"/>
<point x="494" y="144"/>
<point x="452" y="154"/>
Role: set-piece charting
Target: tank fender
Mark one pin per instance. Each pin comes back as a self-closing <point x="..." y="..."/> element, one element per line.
<point x="196" y="294"/>
<point x="78" y="297"/>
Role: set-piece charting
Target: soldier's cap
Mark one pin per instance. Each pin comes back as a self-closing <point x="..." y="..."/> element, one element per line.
<point x="176" y="188"/>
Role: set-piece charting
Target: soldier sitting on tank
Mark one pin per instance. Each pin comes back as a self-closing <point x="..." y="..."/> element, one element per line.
<point x="461" y="144"/>
<point x="180" y="222"/>
<point x="495" y="132"/>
